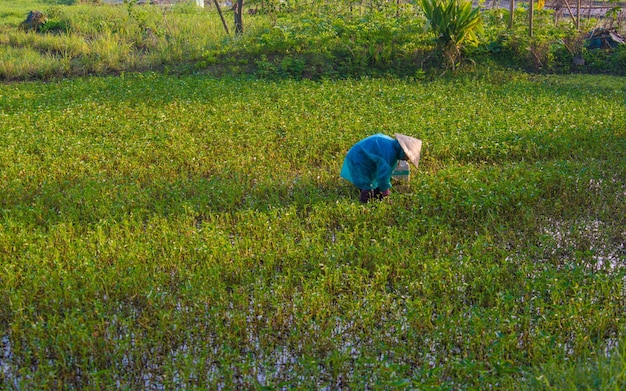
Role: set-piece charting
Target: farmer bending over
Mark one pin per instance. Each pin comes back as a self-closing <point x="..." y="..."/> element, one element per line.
<point x="371" y="161"/>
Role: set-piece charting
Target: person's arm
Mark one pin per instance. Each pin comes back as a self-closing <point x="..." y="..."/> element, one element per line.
<point x="383" y="175"/>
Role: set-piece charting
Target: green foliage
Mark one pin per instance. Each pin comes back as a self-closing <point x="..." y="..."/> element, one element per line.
<point x="454" y="23"/>
<point x="552" y="49"/>
<point x="600" y="371"/>
<point x="605" y="61"/>
<point x="303" y="40"/>
<point x="313" y="47"/>
<point x="55" y="26"/>
<point x="191" y="232"/>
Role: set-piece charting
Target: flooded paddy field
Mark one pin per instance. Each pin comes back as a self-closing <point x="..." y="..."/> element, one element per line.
<point x="187" y="232"/>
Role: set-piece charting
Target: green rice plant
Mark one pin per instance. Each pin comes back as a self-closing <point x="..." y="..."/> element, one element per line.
<point x="192" y="232"/>
<point x="595" y="372"/>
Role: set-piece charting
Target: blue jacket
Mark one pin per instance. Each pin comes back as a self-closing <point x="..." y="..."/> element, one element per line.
<point x="371" y="161"/>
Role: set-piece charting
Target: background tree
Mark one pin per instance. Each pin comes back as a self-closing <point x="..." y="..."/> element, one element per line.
<point x="238" y="12"/>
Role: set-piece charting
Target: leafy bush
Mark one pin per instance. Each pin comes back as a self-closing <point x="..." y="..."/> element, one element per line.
<point x="552" y="49"/>
<point x="342" y="46"/>
<point x="301" y="41"/>
<point x="454" y="23"/>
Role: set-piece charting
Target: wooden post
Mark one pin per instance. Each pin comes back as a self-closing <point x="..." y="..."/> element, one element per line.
<point x="219" y="11"/>
<point x="530" y="18"/>
<point x="571" y="14"/>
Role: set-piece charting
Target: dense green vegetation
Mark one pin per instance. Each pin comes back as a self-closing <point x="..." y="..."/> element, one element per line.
<point x="191" y="231"/>
<point x="300" y="40"/>
<point x="170" y="229"/>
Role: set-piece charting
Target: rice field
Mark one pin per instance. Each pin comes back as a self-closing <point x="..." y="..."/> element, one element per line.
<point x="188" y="232"/>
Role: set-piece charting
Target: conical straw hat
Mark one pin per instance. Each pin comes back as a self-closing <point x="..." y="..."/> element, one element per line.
<point x="411" y="146"/>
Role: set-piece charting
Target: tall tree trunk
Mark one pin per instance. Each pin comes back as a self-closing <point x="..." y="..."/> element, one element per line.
<point x="511" y="13"/>
<point x="238" y="17"/>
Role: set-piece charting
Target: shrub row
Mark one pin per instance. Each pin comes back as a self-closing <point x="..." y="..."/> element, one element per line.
<point x="299" y="43"/>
